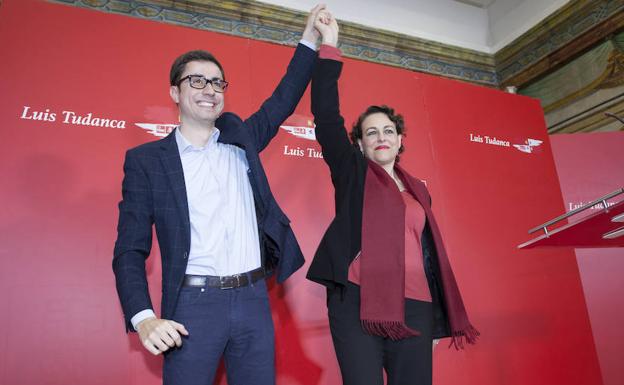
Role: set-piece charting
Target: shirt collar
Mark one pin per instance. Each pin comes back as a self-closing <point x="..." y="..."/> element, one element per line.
<point x="184" y="145"/>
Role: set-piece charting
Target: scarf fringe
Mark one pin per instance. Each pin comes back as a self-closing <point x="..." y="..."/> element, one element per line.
<point x="460" y="337"/>
<point x="394" y="330"/>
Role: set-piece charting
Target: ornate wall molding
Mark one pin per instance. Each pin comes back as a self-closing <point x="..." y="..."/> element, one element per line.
<point x="570" y="31"/>
<point x="573" y="29"/>
<point x="592" y="119"/>
<point x="254" y="20"/>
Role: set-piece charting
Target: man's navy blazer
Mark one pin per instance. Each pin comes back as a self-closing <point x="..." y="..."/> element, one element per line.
<point x="154" y="192"/>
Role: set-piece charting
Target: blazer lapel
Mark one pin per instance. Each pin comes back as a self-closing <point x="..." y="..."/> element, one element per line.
<point x="170" y="157"/>
<point x="231" y="131"/>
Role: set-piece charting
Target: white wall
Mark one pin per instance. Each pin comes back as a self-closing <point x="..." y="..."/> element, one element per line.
<point x="445" y="21"/>
<point x="509" y="19"/>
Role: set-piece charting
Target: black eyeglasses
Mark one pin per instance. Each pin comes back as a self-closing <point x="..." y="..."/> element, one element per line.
<point x="200" y="82"/>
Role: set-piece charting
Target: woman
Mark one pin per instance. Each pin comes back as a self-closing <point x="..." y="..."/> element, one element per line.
<point x="391" y="290"/>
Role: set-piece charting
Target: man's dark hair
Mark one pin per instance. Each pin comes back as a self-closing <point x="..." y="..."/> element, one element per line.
<point x="180" y="63"/>
<point x="397" y="119"/>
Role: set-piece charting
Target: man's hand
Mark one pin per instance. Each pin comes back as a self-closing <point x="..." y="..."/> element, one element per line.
<point x="158" y="335"/>
<point x="327" y="26"/>
<point x="310" y="33"/>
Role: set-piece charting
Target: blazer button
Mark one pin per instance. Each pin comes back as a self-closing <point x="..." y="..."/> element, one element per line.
<point x="185" y="255"/>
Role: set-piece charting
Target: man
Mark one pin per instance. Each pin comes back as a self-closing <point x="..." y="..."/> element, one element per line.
<point x="219" y="228"/>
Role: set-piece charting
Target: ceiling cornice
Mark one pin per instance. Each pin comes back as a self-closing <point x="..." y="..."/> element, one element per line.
<point x="569" y="31"/>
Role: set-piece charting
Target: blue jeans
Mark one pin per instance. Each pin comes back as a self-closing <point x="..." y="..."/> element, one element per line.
<point x="233" y="323"/>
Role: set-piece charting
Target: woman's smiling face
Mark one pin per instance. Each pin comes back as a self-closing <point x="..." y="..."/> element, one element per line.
<point x="380" y="141"/>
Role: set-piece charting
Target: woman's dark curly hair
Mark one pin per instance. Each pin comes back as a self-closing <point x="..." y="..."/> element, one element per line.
<point x="397" y="119"/>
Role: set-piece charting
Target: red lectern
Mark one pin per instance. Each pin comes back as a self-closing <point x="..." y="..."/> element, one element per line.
<point x="604" y="228"/>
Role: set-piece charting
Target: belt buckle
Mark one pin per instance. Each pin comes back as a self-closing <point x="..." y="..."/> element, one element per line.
<point x="235" y="282"/>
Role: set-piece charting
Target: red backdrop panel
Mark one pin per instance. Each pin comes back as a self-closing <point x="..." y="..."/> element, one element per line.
<point x="491" y="193"/>
<point x="590" y="166"/>
<point x="61" y="316"/>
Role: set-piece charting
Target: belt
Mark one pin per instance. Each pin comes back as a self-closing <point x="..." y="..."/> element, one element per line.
<point x="224" y="282"/>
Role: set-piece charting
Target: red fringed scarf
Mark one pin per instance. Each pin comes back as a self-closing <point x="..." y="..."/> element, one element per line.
<point x="382" y="266"/>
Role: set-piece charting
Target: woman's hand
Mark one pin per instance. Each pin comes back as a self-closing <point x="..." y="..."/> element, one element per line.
<point x="327" y="26"/>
